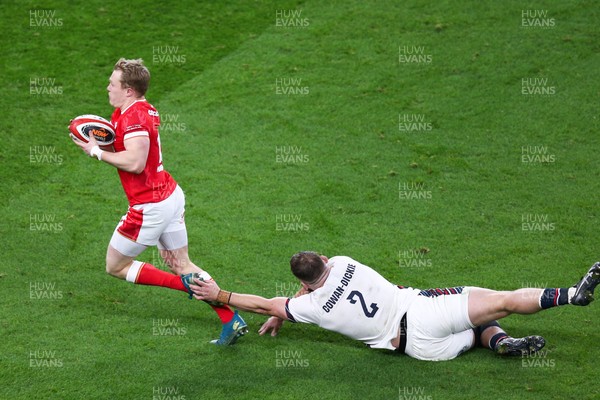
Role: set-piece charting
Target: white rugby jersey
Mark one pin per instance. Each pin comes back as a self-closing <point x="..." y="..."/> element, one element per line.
<point x="355" y="301"/>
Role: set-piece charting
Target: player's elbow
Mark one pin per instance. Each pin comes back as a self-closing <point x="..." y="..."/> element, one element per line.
<point x="137" y="167"/>
<point x="275" y="308"/>
<point x="262" y="311"/>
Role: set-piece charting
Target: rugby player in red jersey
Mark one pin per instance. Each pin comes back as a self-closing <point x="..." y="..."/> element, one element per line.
<point x="156" y="202"/>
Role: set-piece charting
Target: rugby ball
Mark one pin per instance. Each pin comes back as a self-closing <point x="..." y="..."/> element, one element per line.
<point x="82" y="126"/>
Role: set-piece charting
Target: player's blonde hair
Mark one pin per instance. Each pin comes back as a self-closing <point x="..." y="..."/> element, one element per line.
<point x="135" y="75"/>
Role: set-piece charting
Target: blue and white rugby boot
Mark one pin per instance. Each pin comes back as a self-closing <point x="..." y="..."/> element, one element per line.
<point x="232" y="331"/>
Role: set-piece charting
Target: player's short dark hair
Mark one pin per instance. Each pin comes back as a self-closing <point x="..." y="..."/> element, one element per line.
<point x="307" y="266"/>
<point x="134" y="75"/>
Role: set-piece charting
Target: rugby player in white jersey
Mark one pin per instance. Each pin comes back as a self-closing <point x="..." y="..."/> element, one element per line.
<point x="156" y="202"/>
<point x="345" y="296"/>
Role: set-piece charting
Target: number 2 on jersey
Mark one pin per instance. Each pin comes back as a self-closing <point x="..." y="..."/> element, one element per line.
<point x="369" y="313"/>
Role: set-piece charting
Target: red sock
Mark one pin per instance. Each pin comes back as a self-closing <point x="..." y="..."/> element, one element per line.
<point x="224" y="312"/>
<point x="150" y="275"/>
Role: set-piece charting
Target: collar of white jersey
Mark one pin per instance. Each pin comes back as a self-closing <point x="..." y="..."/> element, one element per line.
<point x="123" y="112"/>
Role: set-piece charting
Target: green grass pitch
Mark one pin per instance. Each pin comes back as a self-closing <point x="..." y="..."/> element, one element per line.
<point x="440" y="142"/>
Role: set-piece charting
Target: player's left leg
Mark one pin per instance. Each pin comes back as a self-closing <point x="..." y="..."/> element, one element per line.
<point x="493" y="337"/>
<point x="178" y="260"/>
<point x="486" y="305"/>
<point x="173" y="246"/>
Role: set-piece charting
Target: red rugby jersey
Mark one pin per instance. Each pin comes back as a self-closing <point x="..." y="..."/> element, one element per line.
<point x="153" y="184"/>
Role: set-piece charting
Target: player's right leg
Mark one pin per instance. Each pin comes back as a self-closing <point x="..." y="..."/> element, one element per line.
<point x="117" y="264"/>
<point x="486" y="305"/>
<point x="124" y="266"/>
<point x="139" y="228"/>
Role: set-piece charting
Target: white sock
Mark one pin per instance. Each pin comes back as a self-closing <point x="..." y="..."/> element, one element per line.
<point x="571" y="293"/>
<point x="205" y="276"/>
<point x="134" y="271"/>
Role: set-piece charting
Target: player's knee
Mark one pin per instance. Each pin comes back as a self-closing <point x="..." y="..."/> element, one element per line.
<point x="506" y="301"/>
<point x="114" y="269"/>
<point x="111" y="270"/>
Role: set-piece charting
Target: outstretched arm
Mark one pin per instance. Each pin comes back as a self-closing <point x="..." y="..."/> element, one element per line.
<point x="274" y="324"/>
<point x="210" y="291"/>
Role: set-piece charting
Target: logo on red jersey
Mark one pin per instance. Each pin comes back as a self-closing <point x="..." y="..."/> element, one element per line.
<point x="133" y="127"/>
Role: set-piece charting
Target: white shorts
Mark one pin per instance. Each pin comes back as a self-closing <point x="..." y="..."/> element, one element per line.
<point x="159" y="224"/>
<point x="438" y="327"/>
